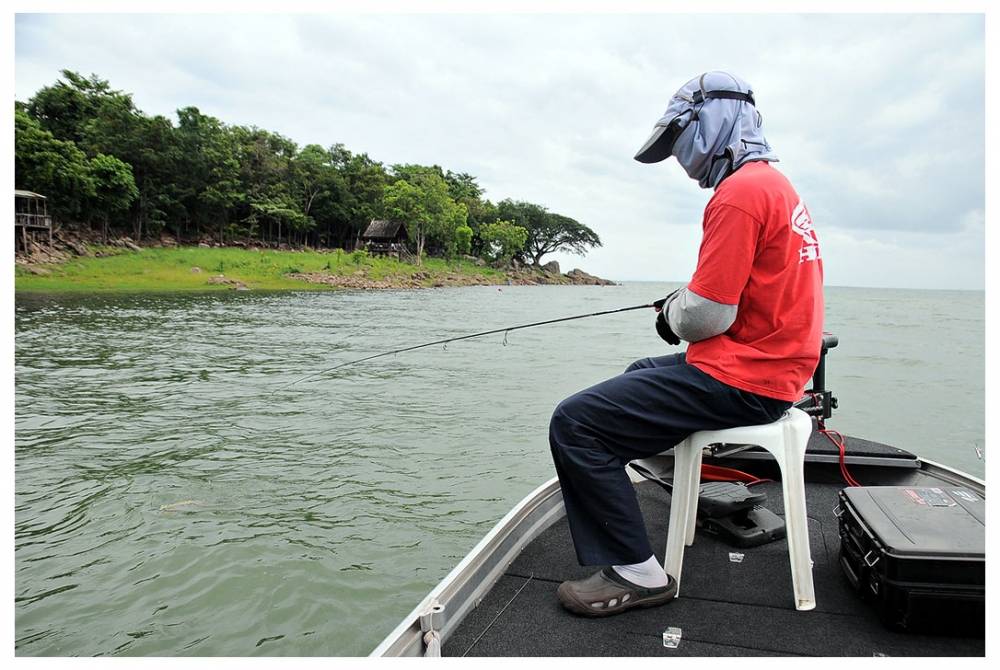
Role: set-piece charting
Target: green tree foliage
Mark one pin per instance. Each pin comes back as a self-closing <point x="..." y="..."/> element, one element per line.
<point x="463" y="241"/>
<point x="158" y="167"/>
<point x="279" y="211"/>
<point x="548" y="231"/>
<point x="502" y="240"/>
<point x="114" y="188"/>
<point x="462" y="187"/>
<point x="66" y="108"/>
<point x="420" y="198"/>
<point x="212" y="188"/>
<point x="101" y="161"/>
<point x="365" y="181"/>
<point x="311" y="176"/>
<point x="55" y="168"/>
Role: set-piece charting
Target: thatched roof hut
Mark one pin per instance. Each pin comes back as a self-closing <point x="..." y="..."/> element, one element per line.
<point x="385" y="237"/>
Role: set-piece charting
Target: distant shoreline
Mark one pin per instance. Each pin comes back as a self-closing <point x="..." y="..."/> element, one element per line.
<point x="74" y="264"/>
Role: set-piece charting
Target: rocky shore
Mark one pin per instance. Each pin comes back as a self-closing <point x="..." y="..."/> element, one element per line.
<point x="70" y="242"/>
<point x="516" y="276"/>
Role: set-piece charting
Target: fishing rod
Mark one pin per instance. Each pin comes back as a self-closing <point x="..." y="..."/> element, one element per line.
<point x="465" y="337"/>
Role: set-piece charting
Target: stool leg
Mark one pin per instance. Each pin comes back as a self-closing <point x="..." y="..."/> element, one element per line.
<point x="790" y="457"/>
<point x="798" y="541"/>
<point x="692" y="494"/>
<point x="680" y="508"/>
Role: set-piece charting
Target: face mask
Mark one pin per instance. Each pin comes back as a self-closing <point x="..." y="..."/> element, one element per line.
<point x="712" y="127"/>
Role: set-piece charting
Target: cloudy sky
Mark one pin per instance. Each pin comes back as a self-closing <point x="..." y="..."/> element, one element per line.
<point x="878" y="119"/>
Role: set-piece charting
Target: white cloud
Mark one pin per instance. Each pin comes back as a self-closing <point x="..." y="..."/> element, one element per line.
<point x="879" y="119"/>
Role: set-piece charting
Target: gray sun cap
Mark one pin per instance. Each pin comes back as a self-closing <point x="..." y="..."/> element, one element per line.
<point x="712" y="127"/>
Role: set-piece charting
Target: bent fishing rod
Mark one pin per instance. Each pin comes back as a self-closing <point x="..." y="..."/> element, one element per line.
<point x="469" y="337"/>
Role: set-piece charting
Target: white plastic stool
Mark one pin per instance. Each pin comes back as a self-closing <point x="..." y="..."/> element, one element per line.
<point x="786" y="439"/>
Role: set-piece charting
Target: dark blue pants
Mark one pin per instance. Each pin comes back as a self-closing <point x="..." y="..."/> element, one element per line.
<point x="655" y="404"/>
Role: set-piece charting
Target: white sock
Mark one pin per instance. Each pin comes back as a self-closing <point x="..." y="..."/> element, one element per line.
<point x="647" y="574"/>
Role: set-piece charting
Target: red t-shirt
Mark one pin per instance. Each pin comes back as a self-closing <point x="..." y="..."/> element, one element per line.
<point x="759" y="252"/>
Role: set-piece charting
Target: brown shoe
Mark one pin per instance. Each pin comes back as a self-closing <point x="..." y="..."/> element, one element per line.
<point x="606" y="593"/>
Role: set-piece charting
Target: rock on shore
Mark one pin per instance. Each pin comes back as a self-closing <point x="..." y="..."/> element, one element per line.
<point x="517" y="276"/>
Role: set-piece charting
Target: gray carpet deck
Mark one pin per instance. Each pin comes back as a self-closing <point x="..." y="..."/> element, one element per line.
<point x="725" y="608"/>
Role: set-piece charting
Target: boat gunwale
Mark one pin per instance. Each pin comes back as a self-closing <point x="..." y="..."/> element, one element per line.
<point x="463" y="588"/>
<point x="953" y="476"/>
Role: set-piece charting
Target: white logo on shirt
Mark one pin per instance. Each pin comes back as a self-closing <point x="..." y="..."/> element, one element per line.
<point x="802" y="224"/>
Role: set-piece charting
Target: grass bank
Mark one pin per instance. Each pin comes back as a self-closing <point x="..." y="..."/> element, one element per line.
<point x="207" y="269"/>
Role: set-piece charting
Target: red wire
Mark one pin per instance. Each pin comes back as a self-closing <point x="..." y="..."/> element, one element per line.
<point x="718" y="473"/>
<point x="839" y="441"/>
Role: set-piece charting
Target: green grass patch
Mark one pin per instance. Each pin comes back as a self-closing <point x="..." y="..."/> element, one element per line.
<point x="192" y="268"/>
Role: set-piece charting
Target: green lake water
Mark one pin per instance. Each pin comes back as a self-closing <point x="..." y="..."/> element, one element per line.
<point x="187" y="485"/>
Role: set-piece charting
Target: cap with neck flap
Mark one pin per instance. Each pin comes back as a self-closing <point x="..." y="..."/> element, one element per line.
<point x="712" y="127"/>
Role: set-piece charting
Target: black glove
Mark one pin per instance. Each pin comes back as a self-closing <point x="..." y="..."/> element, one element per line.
<point x="663" y="329"/>
<point x="662" y="325"/>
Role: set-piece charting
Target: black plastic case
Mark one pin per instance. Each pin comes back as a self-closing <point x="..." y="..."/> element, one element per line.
<point x="918" y="554"/>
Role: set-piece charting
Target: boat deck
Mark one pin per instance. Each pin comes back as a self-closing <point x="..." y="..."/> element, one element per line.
<point x="732" y="602"/>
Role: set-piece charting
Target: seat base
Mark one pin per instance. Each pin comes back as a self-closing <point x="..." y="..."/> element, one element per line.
<point x="786" y="440"/>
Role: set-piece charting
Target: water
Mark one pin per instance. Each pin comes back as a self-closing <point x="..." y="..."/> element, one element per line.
<point x="183" y="486"/>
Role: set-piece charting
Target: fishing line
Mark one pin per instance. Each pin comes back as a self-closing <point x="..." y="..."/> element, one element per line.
<point x="446" y="341"/>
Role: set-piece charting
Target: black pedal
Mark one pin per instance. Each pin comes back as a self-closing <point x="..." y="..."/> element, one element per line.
<point x="748" y="528"/>
<point x="722" y="499"/>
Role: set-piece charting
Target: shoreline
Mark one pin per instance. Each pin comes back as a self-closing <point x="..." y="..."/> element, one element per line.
<point x="80" y="263"/>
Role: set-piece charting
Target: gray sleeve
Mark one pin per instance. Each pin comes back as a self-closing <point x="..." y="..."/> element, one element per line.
<point x="695" y="318"/>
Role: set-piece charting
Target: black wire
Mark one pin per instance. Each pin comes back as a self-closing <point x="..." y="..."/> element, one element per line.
<point x="462" y="337"/>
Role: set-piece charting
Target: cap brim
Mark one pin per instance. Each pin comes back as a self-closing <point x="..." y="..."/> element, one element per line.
<point x="659" y="145"/>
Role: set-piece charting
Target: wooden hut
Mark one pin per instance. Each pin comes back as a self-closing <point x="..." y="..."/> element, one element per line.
<point x="30" y="217"/>
<point x="385" y="238"/>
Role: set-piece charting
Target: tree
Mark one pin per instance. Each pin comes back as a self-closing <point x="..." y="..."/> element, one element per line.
<point x="319" y="186"/>
<point x="114" y="188"/>
<point x="422" y="202"/>
<point x="265" y="170"/>
<point x="204" y="173"/>
<point x="206" y="177"/>
<point x="150" y="146"/>
<point x="404" y="202"/>
<point x="463" y="241"/>
<point x="111" y="125"/>
<point x="502" y="240"/>
<point x="281" y="211"/>
<point x="481" y="213"/>
<point x="560" y="233"/>
<point x="66" y="108"/>
<point x="365" y="181"/>
<point x="55" y="168"/>
<point x="547" y="231"/>
<point x="310" y="170"/>
<point x="211" y="187"/>
<point x="462" y="186"/>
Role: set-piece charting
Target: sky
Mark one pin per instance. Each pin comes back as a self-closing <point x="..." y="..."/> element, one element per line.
<point x="878" y="119"/>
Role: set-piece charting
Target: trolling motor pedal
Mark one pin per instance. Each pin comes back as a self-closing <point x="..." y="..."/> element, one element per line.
<point x="747" y="528"/>
<point x="732" y="512"/>
<point x="726" y="509"/>
<point x="721" y="499"/>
